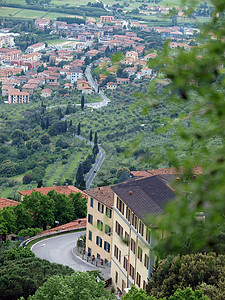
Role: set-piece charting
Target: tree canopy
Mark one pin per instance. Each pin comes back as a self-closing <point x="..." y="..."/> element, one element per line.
<point x="79" y="285"/>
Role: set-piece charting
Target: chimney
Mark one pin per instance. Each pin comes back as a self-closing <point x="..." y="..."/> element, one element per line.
<point x="130" y="193"/>
<point x="55" y="183"/>
<point x="178" y="179"/>
<point x="67" y="184"/>
<point x="194" y="176"/>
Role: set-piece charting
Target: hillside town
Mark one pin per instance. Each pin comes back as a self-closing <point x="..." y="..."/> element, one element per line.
<point x="112" y="150"/>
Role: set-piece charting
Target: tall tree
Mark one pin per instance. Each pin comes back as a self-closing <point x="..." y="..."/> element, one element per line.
<point x="82" y="103"/>
<point x="78" y="129"/>
<point x="96" y="138"/>
<point x="91" y="137"/>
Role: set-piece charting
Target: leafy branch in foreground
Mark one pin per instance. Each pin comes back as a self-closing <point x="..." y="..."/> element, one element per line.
<point x="197" y="78"/>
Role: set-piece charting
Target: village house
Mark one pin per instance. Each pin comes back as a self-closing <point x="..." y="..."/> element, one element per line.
<point x="122" y="80"/>
<point x="106" y="19"/>
<point x="46" y="93"/>
<point x="7" y="54"/>
<point x="81" y="84"/>
<point x="42" y="23"/>
<point x="87" y="90"/>
<point x="34" y="56"/>
<point x="69" y="86"/>
<point x="35" y="48"/>
<point x="111" y="85"/>
<point x="15" y="96"/>
<point x="74" y="75"/>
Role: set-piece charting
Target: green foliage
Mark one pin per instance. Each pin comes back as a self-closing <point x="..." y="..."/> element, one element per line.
<point x="18" y="253"/>
<point x="41" y="208"/>
<point x="176" y="272"/>
<point x="29" y="232"/>
<point x="196" y="77"/>
<point x="186" y="294"/>
<point x="80" y="285"/>
<point x="21" y="274"/>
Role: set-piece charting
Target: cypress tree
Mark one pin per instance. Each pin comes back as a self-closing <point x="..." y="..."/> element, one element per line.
<point x="78" y="129"/>
<point x="91" y="137"/>
<point x="96" y="139"/>
<point x="82" y="102"/>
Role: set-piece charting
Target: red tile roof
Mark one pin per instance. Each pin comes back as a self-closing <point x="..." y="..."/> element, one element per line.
<point x="67" y="190"/>
<point x="76" y="224"/>
<point x="163" y="171"/>
<point x="103" y="194"/>
<point x="7" y="202"/>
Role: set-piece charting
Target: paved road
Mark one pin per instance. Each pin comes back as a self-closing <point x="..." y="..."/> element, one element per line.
<point x="98" y="162"/>
<point x="59" y="250"/>
<point x="93" y="84"/>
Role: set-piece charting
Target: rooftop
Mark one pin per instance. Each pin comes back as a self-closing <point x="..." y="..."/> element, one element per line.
<point x="67" y="190"/>
<point x="7" y="202"/>
<point x="145" y="196"/>
<point x="103" y="194"/>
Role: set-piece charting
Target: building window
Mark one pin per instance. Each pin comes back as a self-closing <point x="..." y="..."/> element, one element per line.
<point x="116" y="278"/>
<point x="148" y="235"/>
<point x="131" y="271"/>
<point x="99" y="225"/>
<point x="119" y="256"/>
<point x="134" y="221"/>
<point x="119" y="229"/>
<point x="146" y="261"/>
<point x="141" y="228"/>
<point x="100" y="207"/>
<point x="138" y="279"/>
<point x="98" y="256"/>
<point x="128" y="214"/>
<point x="90" y="219"/>
<point x="116" y="251"/>
<point x="108" y="212"/>
<point x="91" y="202"/>
<point x="89" y="251"/>
<point x="90" y="235"/>
<point x="99" y="241"/>
<point x="125" y="263"/>
<point x="126" y="238"/>
<point x="133" y="246"/>
<point x="106" y="247"/>
<point x="123" y="285"/>
<point x="120" y="205"/>
<point x="107" y="229"/>
<point x="144" y="285"/>
<point x="139" y="253"/>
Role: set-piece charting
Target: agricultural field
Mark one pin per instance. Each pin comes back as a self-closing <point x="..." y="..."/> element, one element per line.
<point x="31" y="14"/>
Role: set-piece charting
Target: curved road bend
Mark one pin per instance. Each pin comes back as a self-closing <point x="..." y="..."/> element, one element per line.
<point x="93" y="84"/>
<point x="59" y="249"/>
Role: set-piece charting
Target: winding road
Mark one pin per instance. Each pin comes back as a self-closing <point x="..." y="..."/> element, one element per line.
<point x="59" y="249"/>
<point x="98" y="162"/>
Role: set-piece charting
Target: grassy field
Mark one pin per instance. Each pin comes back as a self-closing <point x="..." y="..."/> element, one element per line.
<point x="30" y="14"/>
<point x="55" y="42"/>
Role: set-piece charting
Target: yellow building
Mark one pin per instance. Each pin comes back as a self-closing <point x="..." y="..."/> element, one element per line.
<point x="99" y="223"/>
<point x="126" y="237"/>
<point x="134" y="200"/>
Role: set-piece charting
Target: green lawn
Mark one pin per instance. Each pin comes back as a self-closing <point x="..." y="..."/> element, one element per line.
<point x="55" y="42"/>
<point x="73" y="164"/>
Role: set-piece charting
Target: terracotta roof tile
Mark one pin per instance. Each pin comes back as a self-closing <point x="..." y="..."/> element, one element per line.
<point x="103" y="194"/>
<point x="67" y="190"/>
<point x="7" y="202"/>
<point x="76" y="224"/>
